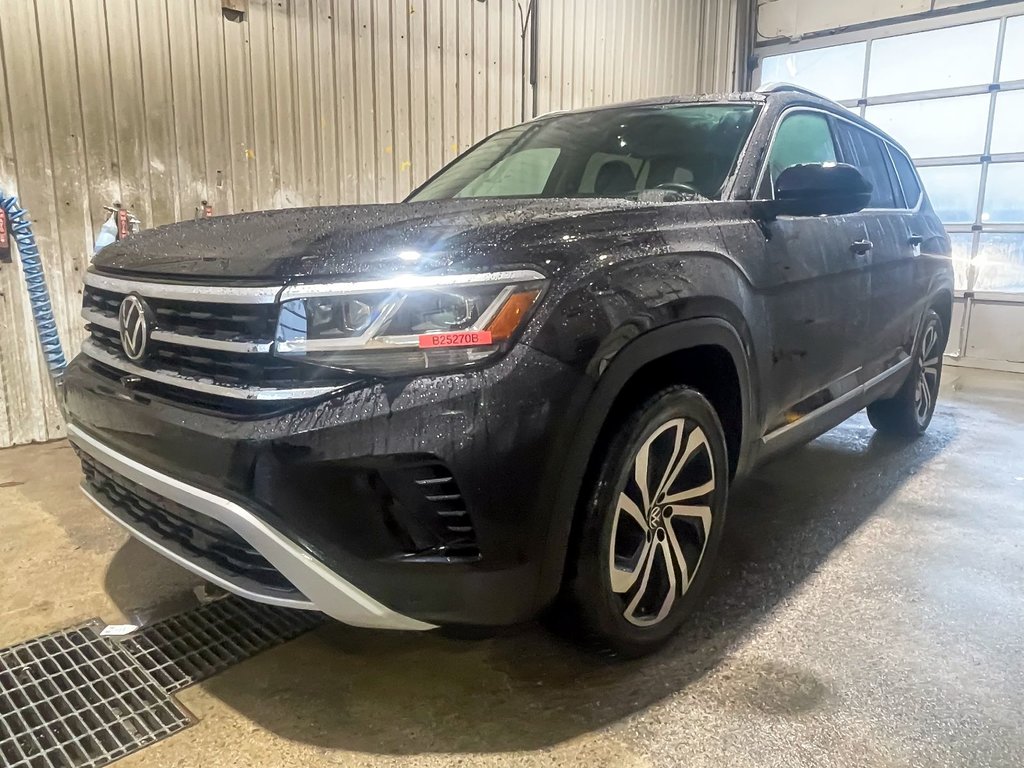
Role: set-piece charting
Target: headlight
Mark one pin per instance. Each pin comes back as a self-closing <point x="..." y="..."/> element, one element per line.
<point x="408" y="324"/>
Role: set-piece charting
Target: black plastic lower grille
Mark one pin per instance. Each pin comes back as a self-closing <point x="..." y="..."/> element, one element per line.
<point x="189" y="531"/>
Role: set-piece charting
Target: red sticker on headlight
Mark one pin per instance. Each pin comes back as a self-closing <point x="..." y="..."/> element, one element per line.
<point x="455" y="339"/>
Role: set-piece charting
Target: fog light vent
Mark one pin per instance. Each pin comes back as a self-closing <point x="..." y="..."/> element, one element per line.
<point x="429" y="507"/>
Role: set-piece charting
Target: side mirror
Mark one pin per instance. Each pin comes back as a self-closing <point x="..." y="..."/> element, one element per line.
<point x="821" y="189"/>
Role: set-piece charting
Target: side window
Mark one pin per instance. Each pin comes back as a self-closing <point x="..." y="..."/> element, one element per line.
<point x="521" y="174"/>
<point x="803" y="137"/>
<point x="866" y="152"/>
<point x="907" y="176"/>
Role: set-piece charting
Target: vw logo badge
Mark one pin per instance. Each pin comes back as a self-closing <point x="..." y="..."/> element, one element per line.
<point x="134" y="323"/>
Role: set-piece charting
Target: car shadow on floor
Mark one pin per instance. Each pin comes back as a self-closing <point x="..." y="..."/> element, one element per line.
<point x="408" y="693"/>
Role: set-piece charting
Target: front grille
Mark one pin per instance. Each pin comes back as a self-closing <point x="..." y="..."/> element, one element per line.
<point x="201" y="319"/>
<point x="220" y="348"/>
<point x="183" y="530"/>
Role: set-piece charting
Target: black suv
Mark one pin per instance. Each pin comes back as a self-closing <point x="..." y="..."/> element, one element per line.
<point x="533" y="379"/>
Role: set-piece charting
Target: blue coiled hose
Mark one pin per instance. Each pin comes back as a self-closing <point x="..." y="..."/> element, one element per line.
<point x="35" y="280"/>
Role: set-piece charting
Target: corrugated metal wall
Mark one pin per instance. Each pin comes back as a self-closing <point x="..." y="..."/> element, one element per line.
<point x="602" y="51"/>
<point x="161" y="104"/>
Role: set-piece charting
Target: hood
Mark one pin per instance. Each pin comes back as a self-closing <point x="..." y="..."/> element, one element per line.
<point x="356" y="241"/>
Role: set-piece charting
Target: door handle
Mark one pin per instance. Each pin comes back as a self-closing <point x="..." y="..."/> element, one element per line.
<point x="915" y="240"/>
<point x="861" y="247"/>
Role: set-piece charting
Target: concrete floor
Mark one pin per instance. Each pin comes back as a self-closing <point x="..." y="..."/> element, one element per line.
<point x="868" y="610"/>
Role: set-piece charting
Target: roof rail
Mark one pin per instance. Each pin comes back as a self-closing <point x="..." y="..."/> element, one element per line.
<point x="790" y="88"/>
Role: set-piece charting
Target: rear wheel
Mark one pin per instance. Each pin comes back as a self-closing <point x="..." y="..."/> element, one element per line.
<point x="653" y="522"/>
<point x="909" y="412"/>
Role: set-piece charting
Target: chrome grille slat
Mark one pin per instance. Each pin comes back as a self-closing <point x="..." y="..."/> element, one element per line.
<point x="96" y="352"/>
<point x="433" y="480"/>
<point x="226" y="345"/>
<point x="184" y="339"/>
<point x="218" y="294"/>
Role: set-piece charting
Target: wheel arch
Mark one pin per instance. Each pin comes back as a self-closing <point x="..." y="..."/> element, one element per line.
<point x="695" y="339"/>
<point x="942" y="303"/>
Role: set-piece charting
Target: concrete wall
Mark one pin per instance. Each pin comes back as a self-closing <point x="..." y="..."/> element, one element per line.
<point x="796" y="18"/>
<point x="160" y="104"/>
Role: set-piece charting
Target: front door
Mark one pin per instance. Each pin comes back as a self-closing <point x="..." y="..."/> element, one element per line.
<point x="819" y="302"/>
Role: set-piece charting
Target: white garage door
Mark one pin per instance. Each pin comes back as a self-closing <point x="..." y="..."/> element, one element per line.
<point x="951" y="90"/>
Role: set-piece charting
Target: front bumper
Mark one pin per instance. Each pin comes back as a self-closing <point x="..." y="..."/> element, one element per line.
<point x="318" y="587"/>
<point x="293" y="485"/>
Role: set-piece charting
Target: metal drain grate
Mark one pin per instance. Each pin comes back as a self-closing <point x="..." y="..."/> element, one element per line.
<point x="74" y="700"/>
<point x="194" y="645"/>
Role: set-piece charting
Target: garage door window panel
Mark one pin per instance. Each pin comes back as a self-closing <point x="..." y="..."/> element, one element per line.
<point x="836" y="72"/>
<point x="922" y="61"/>
<point x="1004" y="194"/>
<point x="1000" y="262"/>
<point x="962" y="244"/>
<point x="1012" y="66"/>
<point x="953" y="190"/>
<point x="1008" y="123"/>
<point x="914" y="124"/>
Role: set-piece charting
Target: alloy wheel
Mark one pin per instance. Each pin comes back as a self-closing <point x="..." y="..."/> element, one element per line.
<point x="928" y="375"/>
<point x="662" y="521"/>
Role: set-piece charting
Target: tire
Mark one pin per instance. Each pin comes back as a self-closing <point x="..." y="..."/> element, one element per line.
<point x="909" y="412"/>
<point x="638" y="567"/>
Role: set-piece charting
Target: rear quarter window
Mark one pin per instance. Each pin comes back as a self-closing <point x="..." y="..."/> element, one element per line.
<point x="907" y="176"/>
<point x="867" y="153"/>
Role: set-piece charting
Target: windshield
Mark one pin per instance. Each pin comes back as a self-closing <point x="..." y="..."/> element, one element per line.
<point x="606" y="153"/>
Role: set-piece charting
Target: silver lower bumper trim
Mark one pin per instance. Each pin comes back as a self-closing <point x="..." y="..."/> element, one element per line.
<point x="231" y="585"/>
<point x="325" y="589"/>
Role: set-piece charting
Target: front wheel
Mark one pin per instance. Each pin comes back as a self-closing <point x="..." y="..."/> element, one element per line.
<point x="909" y="412"/>
<point x="652" y="525"/>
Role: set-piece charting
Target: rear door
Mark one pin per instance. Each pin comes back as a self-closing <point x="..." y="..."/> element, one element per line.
<point x="892" y="231"/>
<point x="819" y="303"/>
